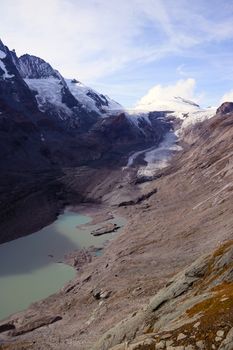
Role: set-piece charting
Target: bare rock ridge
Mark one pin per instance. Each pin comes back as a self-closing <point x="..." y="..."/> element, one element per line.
<point x="33" y="67"/>
<point x="225" y="108"/>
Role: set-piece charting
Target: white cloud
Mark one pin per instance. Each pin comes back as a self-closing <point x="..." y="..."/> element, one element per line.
<point x="118" y="41"/>
<point x="171" y="97"/>
<point x="227" y="97"/>
<point x="182" y="88"/>
<point x="93" y="38"/>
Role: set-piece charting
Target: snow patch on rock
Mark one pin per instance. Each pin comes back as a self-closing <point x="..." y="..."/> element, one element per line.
<point x="2" y="54"/>
<point x="5" y="75"/>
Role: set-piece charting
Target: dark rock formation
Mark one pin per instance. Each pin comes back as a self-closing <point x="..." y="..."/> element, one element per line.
<point x="6" y="327"/>
<point x="225" y="108"/>
<point x="34" y="324"/>
<point x="138" y="199"/>
<point x="33" y="67"/>
<point x="105" y="229"/>
<point x="194" y="309"/>
<point x="101" y="294"/>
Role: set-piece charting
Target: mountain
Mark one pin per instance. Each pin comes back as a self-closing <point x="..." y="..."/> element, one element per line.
<point x="48" y="124"/>
<point x="178" y="107"/>
<point x="91" y="99"/>
<point x="54" y="92"/>
<point x="65" y="116"/>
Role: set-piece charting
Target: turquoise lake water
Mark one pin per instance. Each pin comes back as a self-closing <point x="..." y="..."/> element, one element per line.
<point x="29" y="266"/>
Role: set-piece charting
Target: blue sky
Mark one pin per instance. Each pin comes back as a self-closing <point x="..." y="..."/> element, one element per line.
<point x="124" y="48"/>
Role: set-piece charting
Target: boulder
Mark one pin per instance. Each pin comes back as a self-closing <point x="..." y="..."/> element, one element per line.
<point x="34" y="324"/>
<point x="105" y="229"/>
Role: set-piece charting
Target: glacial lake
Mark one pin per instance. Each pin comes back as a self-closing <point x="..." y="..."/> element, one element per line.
<point x="29" y="266"/>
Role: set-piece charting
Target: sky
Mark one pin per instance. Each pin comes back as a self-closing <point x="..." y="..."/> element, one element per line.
<point x="125" y="48"/>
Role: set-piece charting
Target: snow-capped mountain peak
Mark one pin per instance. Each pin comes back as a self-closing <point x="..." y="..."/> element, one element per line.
<point x="32" y="67"/>
<point x="64" y="95"/>
<point x="91" y="98"/>
<point x="176" y="106"/>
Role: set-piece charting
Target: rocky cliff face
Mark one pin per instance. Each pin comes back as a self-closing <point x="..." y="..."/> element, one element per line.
<point x="225" y="108"/>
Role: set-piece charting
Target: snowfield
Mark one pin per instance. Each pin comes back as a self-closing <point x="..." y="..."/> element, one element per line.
<point x="174" y="103"/>
<point x="178" y="107"/>
<point x="48" y="92"/>
<point x="91" y="99"/>
<point x="197" y="116"/>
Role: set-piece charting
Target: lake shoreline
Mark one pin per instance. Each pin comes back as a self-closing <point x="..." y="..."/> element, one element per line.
<point x="99" y="215"/>
<point x="40" y="254"/>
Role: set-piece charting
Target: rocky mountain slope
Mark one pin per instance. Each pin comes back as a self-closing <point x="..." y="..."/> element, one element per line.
<point x="48" y="123"/>
<point x="168" y="274"/>
<point x="194" y="309"/>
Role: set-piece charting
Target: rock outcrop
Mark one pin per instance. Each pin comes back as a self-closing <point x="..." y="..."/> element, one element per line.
<point x="193" y="312"/>
<point x="225" y="108"/>
<point x="108" y="228"/>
